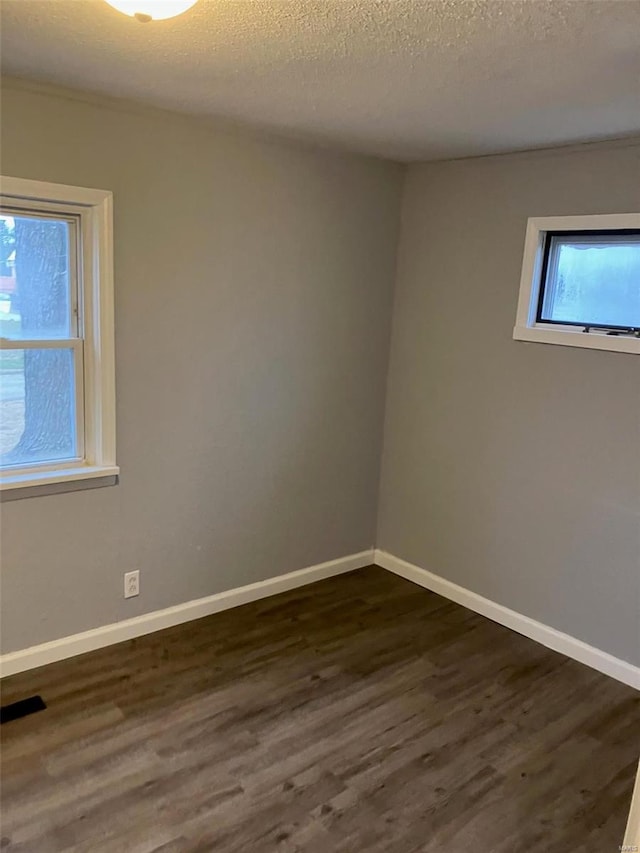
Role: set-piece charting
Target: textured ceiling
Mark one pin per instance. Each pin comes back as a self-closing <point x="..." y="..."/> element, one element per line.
<point x="406" y="79"/>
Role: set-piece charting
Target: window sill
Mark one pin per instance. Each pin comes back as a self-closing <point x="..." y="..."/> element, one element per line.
<point x="592" y="340"/>
<point x="82" y="475"/>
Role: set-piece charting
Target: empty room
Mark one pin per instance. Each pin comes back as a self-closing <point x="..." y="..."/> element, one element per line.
<point x="320" y="426"/>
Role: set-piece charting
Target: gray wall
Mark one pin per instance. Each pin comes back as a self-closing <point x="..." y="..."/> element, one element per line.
<point x="512" y="469"/>
<point x="253" y="306"/>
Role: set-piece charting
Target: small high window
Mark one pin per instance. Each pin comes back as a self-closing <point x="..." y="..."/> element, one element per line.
<point x="581" y="282"/>
<point x="56" y="334"/>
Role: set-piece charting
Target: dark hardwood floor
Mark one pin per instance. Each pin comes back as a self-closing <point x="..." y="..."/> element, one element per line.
<point x="358" y="714"/>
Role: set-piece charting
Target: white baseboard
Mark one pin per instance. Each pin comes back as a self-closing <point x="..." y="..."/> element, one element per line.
<point x="549" y="637"/>
<point x="97" y="638"/>
<point x="107" y="635"/>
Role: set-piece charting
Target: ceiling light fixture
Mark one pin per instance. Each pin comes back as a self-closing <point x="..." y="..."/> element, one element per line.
<point x="152" y="10"/>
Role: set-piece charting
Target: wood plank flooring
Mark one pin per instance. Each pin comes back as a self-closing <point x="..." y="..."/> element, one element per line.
<point x="362" y="713"/>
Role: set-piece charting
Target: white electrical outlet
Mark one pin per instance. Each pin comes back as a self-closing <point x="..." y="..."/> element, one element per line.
<point x="131" y="584"/>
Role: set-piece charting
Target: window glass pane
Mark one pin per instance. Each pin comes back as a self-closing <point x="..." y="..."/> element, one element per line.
<point x="37" y="406"/>
<point x="593" y="279"/>
<point x="35" y="277"/>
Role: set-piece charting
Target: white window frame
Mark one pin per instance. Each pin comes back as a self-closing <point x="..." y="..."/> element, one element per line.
<point x="93" y="345"/>
<point x="526" y="327"/>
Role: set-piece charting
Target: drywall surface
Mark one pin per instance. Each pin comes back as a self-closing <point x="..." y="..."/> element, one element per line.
<point x="512" y="469"/>
<point x="253" y="305"/>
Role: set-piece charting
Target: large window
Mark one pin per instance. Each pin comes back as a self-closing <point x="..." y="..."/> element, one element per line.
<point x="581" y="282"/>
<point x="56" y="334"/>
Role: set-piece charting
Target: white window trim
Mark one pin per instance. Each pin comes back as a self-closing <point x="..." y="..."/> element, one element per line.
<point x="526" y="328"/>
<point x="95" y="211"/>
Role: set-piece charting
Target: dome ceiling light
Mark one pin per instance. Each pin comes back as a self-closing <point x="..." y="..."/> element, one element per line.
<point x="151" y="10"/>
